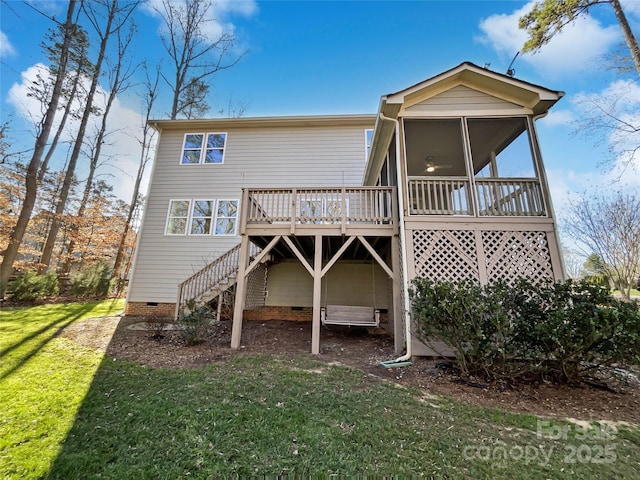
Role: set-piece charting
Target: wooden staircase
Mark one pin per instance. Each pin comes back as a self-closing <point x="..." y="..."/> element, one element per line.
<point x="212" y="280"/>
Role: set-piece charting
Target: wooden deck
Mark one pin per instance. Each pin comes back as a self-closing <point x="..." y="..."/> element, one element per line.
<point x="367" y="211"/>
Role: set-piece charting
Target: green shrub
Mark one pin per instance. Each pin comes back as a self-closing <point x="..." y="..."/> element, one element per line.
<point x="195" y="322"/>
<point x="92" y="282"/>
<point x="559" y="330"/>
<point x="31" y="286"/>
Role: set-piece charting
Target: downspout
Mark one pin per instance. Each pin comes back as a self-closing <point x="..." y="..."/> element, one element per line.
<point x="403" y="254"/>
<point x="543" y="176"/>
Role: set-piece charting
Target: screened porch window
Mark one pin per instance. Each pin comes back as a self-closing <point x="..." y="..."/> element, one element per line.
<point x="435" y="147"/>
<point x="500" y="147"/>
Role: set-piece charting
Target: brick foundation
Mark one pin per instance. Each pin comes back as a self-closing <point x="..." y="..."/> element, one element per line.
<point x="150" y="308"/>
<point x="296" y="314"/>
<point x="299" y="314"/>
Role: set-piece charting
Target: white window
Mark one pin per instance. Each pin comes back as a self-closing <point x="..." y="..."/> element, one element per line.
<point x="226" y="217"/>
<point x="202" y="217"/>
<point x="368" y="135"/>
<point x="200" y="148"/>
<point x="178" y="217"/>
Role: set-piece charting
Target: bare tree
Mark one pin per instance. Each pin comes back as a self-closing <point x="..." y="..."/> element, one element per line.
<point x="146" y="140"/>
<point x="117" y="15"/>
<point x="31" y="180"/>
<point x="610" y="228"/>
<point x="120" y="75"/>
<point x="71" y="96"/>
<point x="194" y="56"/>
<point x="612" y="118"/>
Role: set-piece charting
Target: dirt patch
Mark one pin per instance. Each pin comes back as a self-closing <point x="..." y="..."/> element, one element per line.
<point x="358" y="348"/>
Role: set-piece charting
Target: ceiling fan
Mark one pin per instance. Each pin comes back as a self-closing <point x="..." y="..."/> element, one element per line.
<point x="430" y="166"/>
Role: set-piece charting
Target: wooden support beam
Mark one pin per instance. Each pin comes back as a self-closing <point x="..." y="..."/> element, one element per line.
<point x="338" y="254"/>
<point x="241" y="293"/>
<point x="297" y="253"/>
<point x="375" y="255"/>
<point x="262" y="254"/>
<point x="317" y="292"/>
<point x="244" y="206"/>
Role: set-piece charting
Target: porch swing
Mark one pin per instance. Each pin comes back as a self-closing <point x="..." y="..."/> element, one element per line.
<point x="352" y="315"/>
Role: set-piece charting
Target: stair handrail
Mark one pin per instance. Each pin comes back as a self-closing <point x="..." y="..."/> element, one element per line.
<point x="220" y="269"/>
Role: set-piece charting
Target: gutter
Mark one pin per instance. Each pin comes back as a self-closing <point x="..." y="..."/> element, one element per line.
<point x="405" y="359"/>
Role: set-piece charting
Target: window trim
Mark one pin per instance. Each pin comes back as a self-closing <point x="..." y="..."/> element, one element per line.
<point x="169" y="217"/>
<point x="215" y="219"/>
<point x="203" y="148"/>
<point x="190" y="216"/>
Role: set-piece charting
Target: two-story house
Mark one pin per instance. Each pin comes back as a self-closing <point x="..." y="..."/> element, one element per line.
<point x="329" y="218"/>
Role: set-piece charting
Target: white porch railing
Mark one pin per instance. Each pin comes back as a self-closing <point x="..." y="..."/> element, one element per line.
<point x="521" y="197"/>
<point x="518" y="197"/>
<point x="372" y="205"/>
<point x="439" y="196"/>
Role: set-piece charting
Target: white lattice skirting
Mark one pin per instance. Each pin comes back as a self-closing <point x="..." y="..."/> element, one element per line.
<point x="451" y="255"/>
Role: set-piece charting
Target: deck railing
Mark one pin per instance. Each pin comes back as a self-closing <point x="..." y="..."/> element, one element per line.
<point x="370" y="205"/>
<point x="519" y="197"/>
<point x="213" y="277"/>
<point x="439" y="196"/>
<point x="493" y="196"/>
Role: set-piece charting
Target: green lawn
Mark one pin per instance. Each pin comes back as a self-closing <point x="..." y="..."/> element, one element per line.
<point x="67" y="413"/>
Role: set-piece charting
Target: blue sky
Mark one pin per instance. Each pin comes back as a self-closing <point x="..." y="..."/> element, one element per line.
<point x="307" y="57"/>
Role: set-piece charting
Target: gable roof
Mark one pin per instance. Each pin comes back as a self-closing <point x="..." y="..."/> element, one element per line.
<point x="422" y="99"/>
<point x="519" y="92"/>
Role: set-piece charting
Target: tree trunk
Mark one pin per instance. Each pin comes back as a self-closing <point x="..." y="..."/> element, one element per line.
<point x="632" y="43"/>
<point x="116" y="87"/>
<point x="31" y="183"/>
<point x="47" y="250"/>
<point x="67" y="110"/>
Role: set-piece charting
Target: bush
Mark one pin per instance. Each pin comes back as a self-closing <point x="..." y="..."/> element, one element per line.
<point x="93" y="282"/>
<point x="31" y="286"/>
<point x="558" y="330"/>
<point x="195" y="322"/>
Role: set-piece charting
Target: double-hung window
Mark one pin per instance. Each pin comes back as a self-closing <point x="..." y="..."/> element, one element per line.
<point x="226" y="217"/>
<point x="178" y="217"/>
<point x="203" y="148"/>
<point x="202" y="217"/>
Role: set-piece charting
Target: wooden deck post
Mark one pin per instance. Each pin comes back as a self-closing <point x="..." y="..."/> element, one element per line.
<point x="317" y="291"/>
<point x="241" y="293"/>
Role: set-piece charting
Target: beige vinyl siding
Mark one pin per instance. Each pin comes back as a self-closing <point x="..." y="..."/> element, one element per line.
<point x="461" y="98"/>
<point x="254" y="157"/>
<point x="346" y="283"/>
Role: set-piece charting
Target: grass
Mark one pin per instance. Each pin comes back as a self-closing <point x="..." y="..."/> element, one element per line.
<point x="43" y="381"/>
<point x="267" y="416"/>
